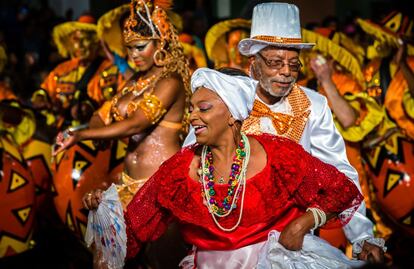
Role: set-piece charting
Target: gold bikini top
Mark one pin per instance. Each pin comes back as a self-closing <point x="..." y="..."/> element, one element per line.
<point x="150" y="104"/>
<point x="137" y="89"/>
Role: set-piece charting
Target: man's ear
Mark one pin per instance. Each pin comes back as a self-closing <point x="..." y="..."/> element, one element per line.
<point x="253" y="65"/>
<point x="252" y="60"/>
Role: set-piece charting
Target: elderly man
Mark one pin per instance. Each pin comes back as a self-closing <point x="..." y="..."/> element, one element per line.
<point x="284" y="108"/>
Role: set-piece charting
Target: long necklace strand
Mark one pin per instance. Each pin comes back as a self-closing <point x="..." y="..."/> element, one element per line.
<point x="232" y="196"/>
<point x="242" y="183"/>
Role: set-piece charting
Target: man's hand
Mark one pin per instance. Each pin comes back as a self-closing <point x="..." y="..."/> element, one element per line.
<point x="371" y="253"/>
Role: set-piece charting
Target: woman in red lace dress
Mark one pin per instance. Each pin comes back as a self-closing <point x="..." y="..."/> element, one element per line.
<point x="229" y="190"/>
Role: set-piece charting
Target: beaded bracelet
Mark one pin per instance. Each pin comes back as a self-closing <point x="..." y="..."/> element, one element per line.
<point x="318" y="215"/>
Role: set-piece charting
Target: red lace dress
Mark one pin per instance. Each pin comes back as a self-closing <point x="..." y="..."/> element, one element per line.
<point x="291" y="181"/>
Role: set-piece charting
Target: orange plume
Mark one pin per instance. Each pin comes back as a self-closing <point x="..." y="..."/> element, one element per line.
<point x="164" y="4"/>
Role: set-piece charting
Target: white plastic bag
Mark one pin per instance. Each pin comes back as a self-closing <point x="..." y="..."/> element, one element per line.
<point x="106" y="229"/>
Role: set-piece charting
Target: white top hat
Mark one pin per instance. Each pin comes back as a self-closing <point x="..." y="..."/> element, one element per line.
<point x="274" y="24"/>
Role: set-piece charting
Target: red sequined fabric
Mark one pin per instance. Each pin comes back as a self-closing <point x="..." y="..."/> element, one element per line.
<point x="291" y="181"/>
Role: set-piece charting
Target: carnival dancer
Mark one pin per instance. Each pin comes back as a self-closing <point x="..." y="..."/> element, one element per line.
<point x="221" y="43"/>
<point x="151" y="109"/>
<point x="300" y="114"/>
<point x="388" y="149"/>
<point x="215" y="187"/>
<point x="75" y="88"/>
<point x="84" y="71"/>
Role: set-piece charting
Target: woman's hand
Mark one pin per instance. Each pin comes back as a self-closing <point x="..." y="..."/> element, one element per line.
<point x="65" y="140"/>
<point x="292" y="235"/>
<point x="371" y="253"/>
<point x="92" y="199"/>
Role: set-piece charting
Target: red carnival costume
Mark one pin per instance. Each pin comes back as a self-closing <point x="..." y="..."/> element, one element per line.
<point x="291" y="182"/>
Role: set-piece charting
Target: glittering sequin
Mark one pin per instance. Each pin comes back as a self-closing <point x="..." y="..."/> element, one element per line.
<point x="290" y="126"/>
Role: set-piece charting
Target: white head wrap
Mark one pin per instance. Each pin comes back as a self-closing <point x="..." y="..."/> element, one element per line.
<point x="237" y="92"/>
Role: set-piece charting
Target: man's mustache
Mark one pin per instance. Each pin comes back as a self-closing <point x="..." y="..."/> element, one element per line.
<point x="286" y="80"/>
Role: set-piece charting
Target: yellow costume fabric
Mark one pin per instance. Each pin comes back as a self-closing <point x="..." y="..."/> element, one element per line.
<point x="408" y="102"/>
<point x="60" y="83"/>
<point x="370" y="113"/>
<point x="128" y="188"/>
<point x="394" y="102"/>
<point x="327" y="46"/>
<point x="109" y="29"/>
<point x="216" y="43"/>
<point x="24" y="130"/>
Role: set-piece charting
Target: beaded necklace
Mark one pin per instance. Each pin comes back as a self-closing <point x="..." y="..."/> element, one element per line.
<point x="236" y="183"/>
<point x="139" y="86"/>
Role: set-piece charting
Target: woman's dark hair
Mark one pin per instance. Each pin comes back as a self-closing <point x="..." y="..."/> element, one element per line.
<point x="124" y="17"/>
<point x="232" y="71"/>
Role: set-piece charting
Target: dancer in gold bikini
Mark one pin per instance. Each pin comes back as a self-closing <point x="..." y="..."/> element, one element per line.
<point x="151" y="109"/>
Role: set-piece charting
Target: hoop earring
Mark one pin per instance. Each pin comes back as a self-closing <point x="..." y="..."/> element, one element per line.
<point x="160" y="57"/>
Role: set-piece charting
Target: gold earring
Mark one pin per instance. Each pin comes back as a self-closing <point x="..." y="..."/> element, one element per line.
<point x="160" y="57"/>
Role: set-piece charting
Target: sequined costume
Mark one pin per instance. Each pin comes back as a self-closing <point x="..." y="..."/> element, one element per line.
<point x="60" y="83"/>
<point x="103" y="76"/>
<point x="318" y="135"/>
<point x="139" y="91"/>
<point x="313" y="126"/>
<point x="291" y="181"/>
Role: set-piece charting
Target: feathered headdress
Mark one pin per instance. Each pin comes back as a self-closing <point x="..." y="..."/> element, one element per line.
<point x="148" y="20"/>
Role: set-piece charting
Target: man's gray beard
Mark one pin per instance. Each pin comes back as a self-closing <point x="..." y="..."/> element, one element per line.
<point x="268" y="89"/>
